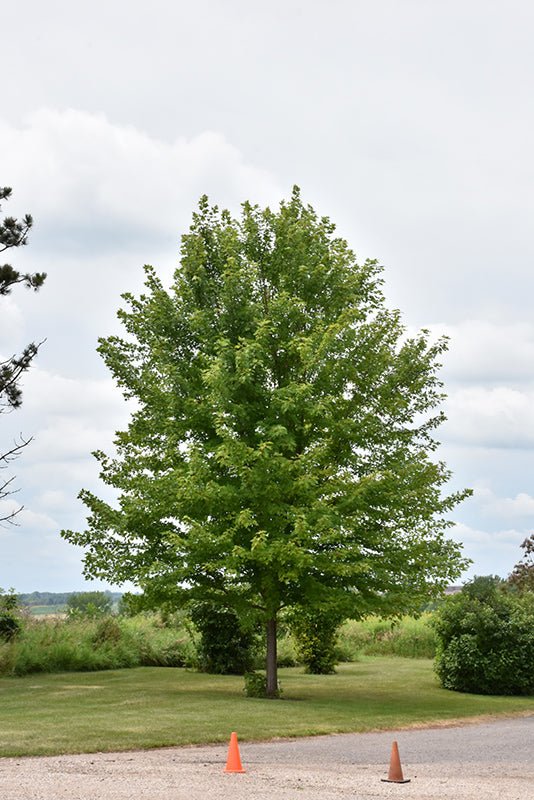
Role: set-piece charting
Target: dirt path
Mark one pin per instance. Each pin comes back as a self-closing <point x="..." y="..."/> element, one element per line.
<point x="489" y="761"/>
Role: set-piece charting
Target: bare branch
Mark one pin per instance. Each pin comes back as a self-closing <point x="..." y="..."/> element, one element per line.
<point x="5" y="459"/>
<point x="11" y="455"/>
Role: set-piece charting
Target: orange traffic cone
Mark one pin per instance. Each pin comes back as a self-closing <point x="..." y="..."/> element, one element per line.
<point x="395" y="770"/>
<point x="233" y="762"/>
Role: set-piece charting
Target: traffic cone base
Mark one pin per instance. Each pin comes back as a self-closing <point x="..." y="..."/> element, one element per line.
<point x="395" y="770"/>
<point x="233" y="762"/>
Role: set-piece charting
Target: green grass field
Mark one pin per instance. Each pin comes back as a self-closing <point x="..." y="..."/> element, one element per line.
<point x="153" y="706"/>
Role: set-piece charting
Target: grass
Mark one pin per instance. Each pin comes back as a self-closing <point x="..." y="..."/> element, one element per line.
<point x="95" y="644"/>
<point x="85" y="644"/>
<point x="408" y="637"/>
<point x="153" y="706"/>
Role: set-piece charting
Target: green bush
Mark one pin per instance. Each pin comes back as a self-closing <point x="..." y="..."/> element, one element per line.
<point x="315" y="632"/>
<point x="171" y="640"/>
<point x="256" y="685"/>
<point x="486" y="640"/>
<point x="107" y="632"/>
<point x="10" y="624"/>
<point x="226" y="646"/>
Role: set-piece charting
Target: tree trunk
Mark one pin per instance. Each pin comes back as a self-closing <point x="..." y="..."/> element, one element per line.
<point x="272" y="670"/>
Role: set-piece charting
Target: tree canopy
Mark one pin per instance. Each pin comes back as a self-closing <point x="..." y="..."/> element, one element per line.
<point x="281" y="450"/>
<point x="89" y="604"/>
<point x="14" y="233"/>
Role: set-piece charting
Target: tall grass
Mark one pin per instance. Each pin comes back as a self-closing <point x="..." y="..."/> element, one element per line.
<point x="408" y="637"/>
<point x="86" y="645"/>
<point x="81" y="645"/>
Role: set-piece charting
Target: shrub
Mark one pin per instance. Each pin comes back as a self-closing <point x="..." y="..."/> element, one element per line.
<point x="9" y="601"/>
<point x="256" y="685"/>
<point x="108" y="632"/>
<point x="60" y="646"/>
<point x="315" y="632"/>
<point x="486" y="640"/>
<point x="10" y="625"/>
<point x="226" y="647"/>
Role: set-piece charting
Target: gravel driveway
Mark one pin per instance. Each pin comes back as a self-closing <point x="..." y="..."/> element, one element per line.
<point x="484" y="761"/>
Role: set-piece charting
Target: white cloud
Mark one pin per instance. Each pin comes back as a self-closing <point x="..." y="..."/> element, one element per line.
<point x="68" y="439"/>
<point x="491" y="417"/>
<point x="51" y="394"/>
<point x="491" y="552"/>
<point x="467" y="534"/>
<point x="106" y="198"/>
<point x="68" y="417"/>
<point x="522" y="505"/>
<point x="53" y="499"/>
<point x="100" y="186"/>
<point x="66" y="475"/>
<point x="483" y="351"/>
<point x="11" y="325"/>
<point x="504" y="508"/>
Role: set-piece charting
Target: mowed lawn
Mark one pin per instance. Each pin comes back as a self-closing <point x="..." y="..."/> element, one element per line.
<point x="154" y="706"/>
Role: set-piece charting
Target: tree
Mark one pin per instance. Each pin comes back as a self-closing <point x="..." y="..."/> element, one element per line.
<point x="522" y="575"/>
<point x="280" y="452"/>
<point x="89" y="604"/>
<point x="14" y="233"/>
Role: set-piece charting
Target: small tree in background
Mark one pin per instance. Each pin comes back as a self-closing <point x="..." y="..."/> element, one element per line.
<point x="89" y="604"/>
<point x="281" y="452"/>
<point x="522" y="575"/>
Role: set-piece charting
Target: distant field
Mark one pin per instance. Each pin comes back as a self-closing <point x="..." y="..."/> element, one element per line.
<point x="155" y="706"/>
<point x="41" y="611"/>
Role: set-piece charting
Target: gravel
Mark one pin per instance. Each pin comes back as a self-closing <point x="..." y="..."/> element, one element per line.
<point x="483" y="761"/>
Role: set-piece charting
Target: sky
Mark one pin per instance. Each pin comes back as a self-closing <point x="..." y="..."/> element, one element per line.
<point x="408" y="123"/>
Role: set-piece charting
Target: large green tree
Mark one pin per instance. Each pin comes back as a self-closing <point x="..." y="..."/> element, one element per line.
<point x="280" y="452"/>
<point x="14" y="233"/>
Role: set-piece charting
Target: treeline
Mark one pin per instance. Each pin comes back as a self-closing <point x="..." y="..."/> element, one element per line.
<point x="57" y="598"/>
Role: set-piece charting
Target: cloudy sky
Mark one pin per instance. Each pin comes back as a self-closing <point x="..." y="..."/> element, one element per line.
<point x="408" y="122"/>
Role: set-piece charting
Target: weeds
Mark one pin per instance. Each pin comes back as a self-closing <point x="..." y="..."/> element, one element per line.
<point x="87" y="645"/>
